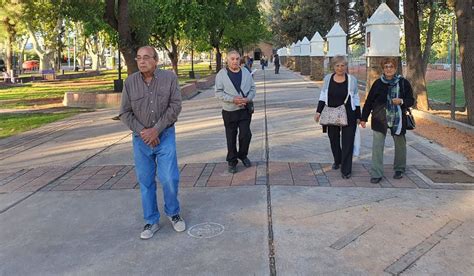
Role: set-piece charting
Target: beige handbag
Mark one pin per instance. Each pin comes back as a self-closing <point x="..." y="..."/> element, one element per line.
<point x="334" y="116"/>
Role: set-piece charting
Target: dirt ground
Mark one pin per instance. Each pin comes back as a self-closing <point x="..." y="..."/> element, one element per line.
<point x="448" y="137"/>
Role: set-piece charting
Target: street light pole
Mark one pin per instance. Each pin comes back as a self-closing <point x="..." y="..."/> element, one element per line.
<point x="453" y="70"/>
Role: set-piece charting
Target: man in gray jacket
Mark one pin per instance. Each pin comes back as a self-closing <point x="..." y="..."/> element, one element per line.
<point x="236" y="89"/>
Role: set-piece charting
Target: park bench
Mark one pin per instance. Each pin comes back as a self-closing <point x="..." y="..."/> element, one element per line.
<point x="48" y="74"/>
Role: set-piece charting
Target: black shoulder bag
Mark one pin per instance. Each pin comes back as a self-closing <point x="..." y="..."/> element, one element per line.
<point x="249" y="106"/>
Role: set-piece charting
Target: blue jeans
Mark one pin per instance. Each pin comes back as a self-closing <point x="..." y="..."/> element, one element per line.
<point x="147" y="161"/>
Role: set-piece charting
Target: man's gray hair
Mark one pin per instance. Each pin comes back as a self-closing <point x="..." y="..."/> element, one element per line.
<point x="231" y="52"/>
<point x="155" y="53"/>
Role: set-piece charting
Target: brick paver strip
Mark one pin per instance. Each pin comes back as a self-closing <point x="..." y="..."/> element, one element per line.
<point x="42" y="181"/>
<point x="245" y="177"/>
<point x="22" y="180"/>
<point x="220" y="176"/>
<point x="116" y="177"/>
<point x="65" y="188"/>
<point x="7" y="177"/>
<point x="128" y="181"/>
<point x="422" y="248"/>
<point x="352" y="236"/>
<point x="280" y="174"/>
<point x="214" y="175"/>
<point x="317" y="170"/>
<point x="205" y="175"/>
<point x="92" y="184"/>
<point x="303" y="174"/>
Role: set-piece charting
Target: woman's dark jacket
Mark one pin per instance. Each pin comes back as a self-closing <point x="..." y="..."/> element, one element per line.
<point x="376" y="103"/>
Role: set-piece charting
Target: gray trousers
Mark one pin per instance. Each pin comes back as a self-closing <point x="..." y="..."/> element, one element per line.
<point x="378" y="144"/>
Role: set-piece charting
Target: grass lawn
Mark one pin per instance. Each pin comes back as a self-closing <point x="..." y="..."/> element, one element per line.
<point x="39" y="93"/>
<point x="441" y="91"/>
<point x="11" y="124"/>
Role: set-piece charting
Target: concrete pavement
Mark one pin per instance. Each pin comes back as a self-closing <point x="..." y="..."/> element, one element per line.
<point x="69" y="203"/>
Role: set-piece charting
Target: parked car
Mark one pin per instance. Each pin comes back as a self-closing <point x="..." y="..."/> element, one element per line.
<point x="2" y="65"/>
<point x="31" y="65"/>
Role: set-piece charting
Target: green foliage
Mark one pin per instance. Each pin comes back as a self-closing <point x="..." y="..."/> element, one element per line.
<point x="442" y="31"/>
<point x="293" y="20"/>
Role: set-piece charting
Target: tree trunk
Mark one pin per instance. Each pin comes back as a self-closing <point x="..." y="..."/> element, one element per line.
<point x="429" y="36"/>
<point x="369" y="8"/>
<point x="9" y="43"/>
<point x="128" y="41"/>
<point x="174" y="56"/>
<point x="414" y="72"/>
<point x="218" y="59"/>
<point x="394" y="5"/>
<point x="465" y="25"/>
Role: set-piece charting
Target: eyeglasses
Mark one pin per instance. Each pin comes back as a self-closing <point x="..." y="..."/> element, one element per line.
<point x="146" y="58"/>
<point x="388" y="66"/>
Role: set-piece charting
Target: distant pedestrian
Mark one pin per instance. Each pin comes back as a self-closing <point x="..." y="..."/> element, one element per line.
<point x="236" y="89"/>
<point x="388" y="101"/>
<point x="151" y="103"/>
<point x="244" y="62"/>
<point x="276" y="63"/>
<point x="263" y="62"/>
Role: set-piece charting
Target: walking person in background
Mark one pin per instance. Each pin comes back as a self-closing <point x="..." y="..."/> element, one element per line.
<point x="151" y="103"/>
<point x="263" y="62"/>
<point x="388" y="100"/>
<point x="244" y="62"/>
<point x="235" y="88"/>
<point x="276" y="62"/>
<point x="340" y="88"/>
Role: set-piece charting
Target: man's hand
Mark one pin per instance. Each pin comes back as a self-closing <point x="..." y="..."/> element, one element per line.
<point x="362" y="124"/>
<point x="150" y="136"/>
<point x="317" y="116"/>
<point x="240" y="101"/>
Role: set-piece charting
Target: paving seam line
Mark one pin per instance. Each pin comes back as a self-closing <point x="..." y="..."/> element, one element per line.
<point x="271" y="246"/>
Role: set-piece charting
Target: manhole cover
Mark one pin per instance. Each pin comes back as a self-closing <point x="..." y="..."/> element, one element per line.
<point x="206" y="230"/>
<point x="447" y="176"/>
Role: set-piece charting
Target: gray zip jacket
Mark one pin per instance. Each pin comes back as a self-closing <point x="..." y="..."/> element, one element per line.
<point x="225" y="90"/>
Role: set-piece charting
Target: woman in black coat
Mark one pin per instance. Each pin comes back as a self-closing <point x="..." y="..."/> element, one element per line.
<point x="388" y="101"/>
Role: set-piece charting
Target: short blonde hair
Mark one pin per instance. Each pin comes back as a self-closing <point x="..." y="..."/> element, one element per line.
<point x="388" y="60"/>
<point x="339" y="59"/>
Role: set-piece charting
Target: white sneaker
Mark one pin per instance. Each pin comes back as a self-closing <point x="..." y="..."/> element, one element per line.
<point x="178" y="223"/>
<point x="149" y="230"/>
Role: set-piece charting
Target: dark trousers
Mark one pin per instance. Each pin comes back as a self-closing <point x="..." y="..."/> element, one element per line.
<point x="277" y="68"/>
<point x="343" y="155"/>
<point x="237" y="122"/>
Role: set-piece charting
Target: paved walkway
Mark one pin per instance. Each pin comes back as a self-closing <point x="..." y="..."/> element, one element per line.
<point x="69" y="202"/>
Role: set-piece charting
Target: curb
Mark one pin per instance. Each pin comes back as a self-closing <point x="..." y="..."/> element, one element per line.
<point x="446" y="122"/>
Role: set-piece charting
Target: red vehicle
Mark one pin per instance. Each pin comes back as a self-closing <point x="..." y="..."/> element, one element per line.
<point x="31" y="65"/>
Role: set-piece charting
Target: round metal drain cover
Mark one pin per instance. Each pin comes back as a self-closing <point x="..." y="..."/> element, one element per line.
<point x="206" y="230"/>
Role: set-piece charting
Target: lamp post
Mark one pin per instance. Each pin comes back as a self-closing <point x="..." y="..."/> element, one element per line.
<point x="453" y="70"/>
<point x="118" y="84"/>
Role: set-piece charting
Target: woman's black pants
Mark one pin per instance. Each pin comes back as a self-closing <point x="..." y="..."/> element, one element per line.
<point x="342" y="149"/>
<point x="237" y="122"/>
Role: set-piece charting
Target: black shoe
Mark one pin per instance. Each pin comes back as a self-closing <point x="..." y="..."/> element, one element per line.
<point x="346" y="176"/>
<point x="398" y="175"/>
<point x="232" y="168"/>
<point x="375" y="180"/>
<point x="246" y="162"/>
<point x="335" y="166"/>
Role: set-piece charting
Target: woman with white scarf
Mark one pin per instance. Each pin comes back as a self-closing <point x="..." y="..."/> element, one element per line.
<point x="388" y="100"/>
